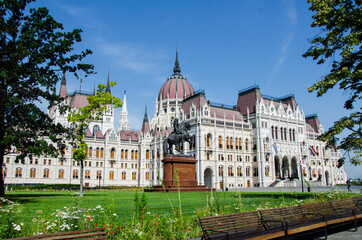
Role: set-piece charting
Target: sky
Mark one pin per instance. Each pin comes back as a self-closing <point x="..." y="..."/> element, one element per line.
<point x="223" y="47"/>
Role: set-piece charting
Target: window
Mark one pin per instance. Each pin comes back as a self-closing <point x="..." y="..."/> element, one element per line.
<point x="132" y="154"/>
<point x="147" y="154"/>
<point x="126" y="154"/>
<point x="272" y="130"/>
<point x="44" y="161"/>
<point x="220" y="142"/>
<point x="221" y="157"/>
<point x="75" y="174"/>
<point x="240" y="146"/>
<point x="227" y="143"/>
<point x="101" y="152"/>
<point x="208" y="140"/>
<point x="46" y="173"/>
<point x="18" y="173"/>
<point x="136" y="154"/>
<point x="87" y="174"/>
<point x="221" y="171"/>
<point x="230" y="171"/>
<point x="99" y="174"/>
<point x="90" y="151"/>
<point x="111" y="175"/>
<point x="61" y="173"/>
<point x="32" y="173"/>
<point x="112" y="164"/>
<point x="134" y="175"/>
<point x="281" y="134"/>
<point x="246" y="145"/>
<point x="231" y="143"/>
<point x="113" y="151"/>
<point x="236" y="144"/>
<point x="255" y="172"/>
<point x="122" y="154"/>
<point x="97" y="152"/>
<point x="230" y="157"/>
<point x="49" y="162"/>
<point x="247" y="172"/>
<point x="123" y="175"/>
<point x="267" y="171"/>
<point x="7" y="160"/>
<point x="239" y="172"/>
<point x="147" y="177"/>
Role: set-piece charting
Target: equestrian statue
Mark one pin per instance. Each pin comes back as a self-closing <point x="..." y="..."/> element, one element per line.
<point x="178" y="136"/>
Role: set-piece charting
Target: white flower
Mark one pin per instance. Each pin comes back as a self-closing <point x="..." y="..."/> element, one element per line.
<point x="17" y="228"/>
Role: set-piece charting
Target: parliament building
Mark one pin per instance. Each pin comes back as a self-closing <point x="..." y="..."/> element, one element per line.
<point x="261" y="141"/>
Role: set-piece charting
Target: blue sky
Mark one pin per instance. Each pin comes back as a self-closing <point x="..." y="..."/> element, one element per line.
<point x="224" y="46"/>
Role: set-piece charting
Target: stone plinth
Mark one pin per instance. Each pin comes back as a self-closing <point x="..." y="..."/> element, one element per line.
<point x="186" y="172"/>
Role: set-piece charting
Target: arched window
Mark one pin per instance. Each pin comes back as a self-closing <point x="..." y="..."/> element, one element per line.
<point x="111" y="175"/>
<point x="101" y="152"/>
<point x="134" y="175"/>
<point x="99" y="174"/>
<point x="32" y="173"/>
<point x="285" y="134"/>
<point x="147" y="177"/>
<point x="230" y="171"/>
<point x="147" y="154"/>
<point x="239" y="172"/>
<point x="90" y="151"/>
<point x="113" y="151"/>
<point x="75" y="174"/>
<point x="227" y="143"/>
<point x="122" y="154"/>
<point x="293" y="135"/>
<point x="276" y="132"/>
<point x="240" y="145"/>
<point x="267" y="171"/>
<point x="95" y="129"/>
<point x="247" y="171"/>
<point x="281" y="134"/>
<point x="208" y="140"/>
<point x="236" y="144"/>
<point x="97" y="152"/>
<point x="290" y="135"/>
<point x="46" y="173"/>
<point x="126" y="154"/>
<point x="136" y="154"/>
<point x="231" y="143"/>
<point x="61" y="173"/>
<point x="220" y="142"/>
<point x="272" y="130"/>
<point x="221" y="171"/>
<point x="246" y="145"/>
<point x="123" y="175"/>
<point x="132" y="154"/>
<point x="87" y="174"/>
<point x="18" y="173"/>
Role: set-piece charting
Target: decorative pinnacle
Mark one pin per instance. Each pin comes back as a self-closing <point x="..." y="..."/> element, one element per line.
<point x="108" y="87"/>
<point x="145" y="119"/>
<point x="176" y="68"/>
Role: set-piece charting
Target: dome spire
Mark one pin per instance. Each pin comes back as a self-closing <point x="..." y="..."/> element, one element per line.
<point x="176" y="68"/>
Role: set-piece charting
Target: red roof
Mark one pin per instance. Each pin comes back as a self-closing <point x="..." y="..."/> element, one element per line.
<point x="127" y="134"/>
<point x="178" y="86"/>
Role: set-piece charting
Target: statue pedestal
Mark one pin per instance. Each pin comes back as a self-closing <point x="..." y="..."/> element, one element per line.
<point x="186" y="172"/>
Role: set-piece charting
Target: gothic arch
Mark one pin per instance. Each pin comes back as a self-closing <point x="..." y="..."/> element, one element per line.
<point x="208" y="177"/>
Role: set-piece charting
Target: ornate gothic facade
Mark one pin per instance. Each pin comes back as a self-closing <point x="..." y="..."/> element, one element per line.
<point x="262" y="141"/>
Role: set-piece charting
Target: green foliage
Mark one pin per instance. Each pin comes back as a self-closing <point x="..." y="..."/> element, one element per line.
<point x="97" y="105"/>
<point x="34" y="52"/>
<point x="339" y="39"/>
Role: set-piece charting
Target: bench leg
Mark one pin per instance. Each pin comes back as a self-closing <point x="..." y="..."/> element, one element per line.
<point x="325" y="232"/>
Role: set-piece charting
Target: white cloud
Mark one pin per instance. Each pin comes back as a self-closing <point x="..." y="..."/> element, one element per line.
<point x="132" y="57"/>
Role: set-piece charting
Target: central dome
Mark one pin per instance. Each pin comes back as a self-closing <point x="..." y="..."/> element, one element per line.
<point x="176" y="86"/>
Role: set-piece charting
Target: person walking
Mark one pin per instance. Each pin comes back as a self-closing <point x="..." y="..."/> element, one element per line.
<point x="348" y="185"/>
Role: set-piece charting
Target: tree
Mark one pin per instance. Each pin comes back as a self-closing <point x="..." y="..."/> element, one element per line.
<point x="339" y="39"/>
<point x="97" y="104"/>
<point x="34" y="52"/>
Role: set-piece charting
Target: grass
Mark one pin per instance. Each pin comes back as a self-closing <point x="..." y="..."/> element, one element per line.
<point x="136" y="215"/>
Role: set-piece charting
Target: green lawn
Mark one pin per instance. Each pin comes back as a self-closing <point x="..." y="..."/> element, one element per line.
<point x="157" y="202"/>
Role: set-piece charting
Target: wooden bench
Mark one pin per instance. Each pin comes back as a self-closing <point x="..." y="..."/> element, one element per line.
<point x="294" y="218"/>
<point x="358" y="202"/>
<point x="91" y="234"/>
<point x="245" y="225"/>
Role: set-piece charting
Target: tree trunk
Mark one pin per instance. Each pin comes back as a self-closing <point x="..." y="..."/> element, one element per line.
<point x="81" y="179"/>
<point x="2" y="190"/>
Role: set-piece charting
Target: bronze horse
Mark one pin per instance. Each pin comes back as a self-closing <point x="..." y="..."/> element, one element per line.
<point x="176" y="139"/>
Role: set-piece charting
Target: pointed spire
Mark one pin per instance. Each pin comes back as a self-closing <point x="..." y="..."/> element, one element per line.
<point x="145" y="124"/>
<point x="63" y="89"/>
<point x="108" y="87"/>
<point x="176" y="68"/>
<point x="123" y="122"/>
